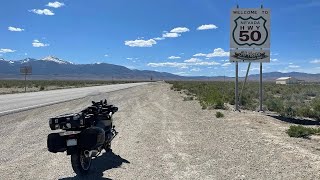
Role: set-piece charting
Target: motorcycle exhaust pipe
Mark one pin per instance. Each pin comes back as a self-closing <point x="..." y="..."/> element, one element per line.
<point x="94" y="153"/>
<point x="87" y="153"/>
<point x="91" y="153"/>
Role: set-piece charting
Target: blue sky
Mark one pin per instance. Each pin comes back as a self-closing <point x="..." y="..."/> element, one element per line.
<point x="161" y="35"/>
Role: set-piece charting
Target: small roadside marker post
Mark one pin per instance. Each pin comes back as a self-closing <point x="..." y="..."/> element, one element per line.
<point x="25" y="70"/>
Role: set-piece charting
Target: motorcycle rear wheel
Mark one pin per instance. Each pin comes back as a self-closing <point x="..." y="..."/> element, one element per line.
<point x="80" y="163"/>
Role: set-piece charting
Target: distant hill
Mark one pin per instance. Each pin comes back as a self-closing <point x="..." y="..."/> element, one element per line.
<point x="54" y="68"/>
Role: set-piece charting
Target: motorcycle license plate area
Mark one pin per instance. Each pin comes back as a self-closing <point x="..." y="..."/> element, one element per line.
<point x="71" y="142"/>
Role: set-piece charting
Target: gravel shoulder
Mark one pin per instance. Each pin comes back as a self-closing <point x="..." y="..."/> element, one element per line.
<point x="162" y="137"/>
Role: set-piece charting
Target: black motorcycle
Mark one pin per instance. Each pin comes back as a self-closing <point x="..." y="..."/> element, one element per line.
<point x="83" y="135"/>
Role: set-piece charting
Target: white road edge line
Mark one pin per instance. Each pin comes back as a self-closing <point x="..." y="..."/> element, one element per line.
<point x="34" y="106"/>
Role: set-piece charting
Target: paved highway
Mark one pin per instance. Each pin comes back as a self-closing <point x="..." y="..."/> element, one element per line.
<point x="18" y="102"/>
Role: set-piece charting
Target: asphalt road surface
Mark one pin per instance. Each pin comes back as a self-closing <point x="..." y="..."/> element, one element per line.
<point x="16" y="102"/>
<point x="162" y="137"/>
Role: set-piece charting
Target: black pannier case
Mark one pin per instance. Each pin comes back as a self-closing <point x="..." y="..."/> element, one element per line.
<point x="56" y="143"/>
<point x="91" y="138"/>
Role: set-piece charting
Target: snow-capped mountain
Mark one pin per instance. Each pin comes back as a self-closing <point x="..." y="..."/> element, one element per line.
<point x="3" y="60"/>
<point x="53" y="67"/>
<point x="55" y="59"/>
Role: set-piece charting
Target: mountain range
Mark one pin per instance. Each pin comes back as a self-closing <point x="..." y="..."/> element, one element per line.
<point x="54" y="68"/>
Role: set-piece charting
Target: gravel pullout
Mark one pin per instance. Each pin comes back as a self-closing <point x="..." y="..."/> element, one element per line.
<point x="162" y="137"/>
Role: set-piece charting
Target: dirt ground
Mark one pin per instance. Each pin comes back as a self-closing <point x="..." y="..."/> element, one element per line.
<point x="161" y="136"/>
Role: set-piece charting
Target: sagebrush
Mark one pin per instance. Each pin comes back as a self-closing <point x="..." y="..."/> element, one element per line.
<point x="296" y="100"/>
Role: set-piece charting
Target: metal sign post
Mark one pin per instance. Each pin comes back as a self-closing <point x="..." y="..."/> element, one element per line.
<point x="244" y="83"/>
<point x="260" y="88"/>
<point x="237" y="88"/>
<point x="249" y="41"/>
<point x="25" y="70"/>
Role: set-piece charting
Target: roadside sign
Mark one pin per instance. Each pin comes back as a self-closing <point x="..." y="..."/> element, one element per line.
<point x="249" y="55"/>
<point x="25" y="70"/>
<point x="249" y="42"/>
<point x="250" y="28"/>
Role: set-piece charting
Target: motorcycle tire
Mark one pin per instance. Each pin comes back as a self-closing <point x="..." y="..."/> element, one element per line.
<point x="80" y="164"/>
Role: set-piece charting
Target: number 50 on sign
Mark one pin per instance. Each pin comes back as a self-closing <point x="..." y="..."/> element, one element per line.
<point x="250" y="28"/>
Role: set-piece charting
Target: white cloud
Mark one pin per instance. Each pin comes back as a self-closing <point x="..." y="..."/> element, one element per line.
<point x="274" y="60"/>
<point x="106" y="55"/>
<point x="293" y="66"/>
<point x="140" y="43"/>
<point x="174" y="57"/>
<point x="254" y="69"/>
<point x="218" y="52"/>
<point x="129" y="58"/>
<point x="55" y="4"/>
<point x="195" y="69"/>
<point x="206" y="63"/>
<point x="182" y="65"/>
<point x="181" y="73"/>
<point x="179" y="30"/>
<point x="15" y="29"/>
<point x="159" y="38"/>
<point x="192" y="60"/>
<point x="199" y="54"/>
<point x="207" y="26"/>
<point x="316" y="61"/>
<point x="167" y="64"/>
<point x="226" y="64"/>
<point x="37" y="43"/>
<point x="170" y="35"/>
<point x="46" y="12"/>
<point x="7" y="50"/>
